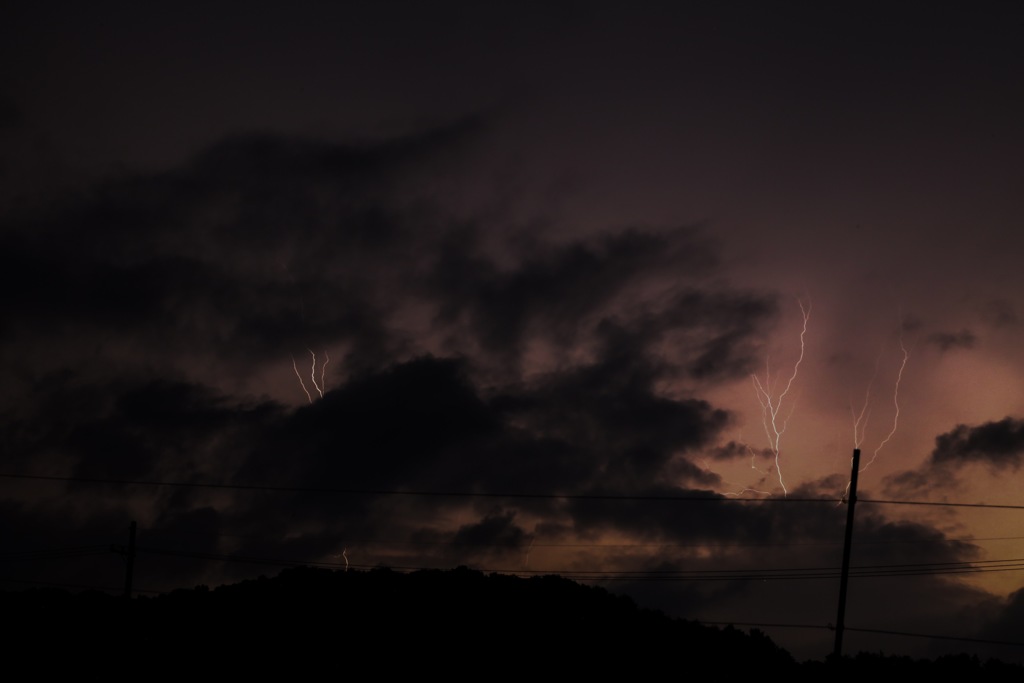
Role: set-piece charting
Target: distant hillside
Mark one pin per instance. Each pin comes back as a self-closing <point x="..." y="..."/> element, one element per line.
<point x="459" y="622"/>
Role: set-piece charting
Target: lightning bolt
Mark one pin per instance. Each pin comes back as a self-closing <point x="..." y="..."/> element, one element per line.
<point x="343" y="555"/>
<point x="744" y="490"/>
<point x="895" y="401"/>
<point x="301" y="383"/>
<point x="772" y="405"/>
<point x="323" y="369"/>
<point x="860" y="420"/>
<point x="736" y="494"/>
<point x="320" y="386"/>
<point x="323" y="372"/>
<point x="753" y="460"/>
<point x="526" y="559"/>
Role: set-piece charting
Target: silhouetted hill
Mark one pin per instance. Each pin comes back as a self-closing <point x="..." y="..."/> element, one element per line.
<point x="457" y="622"/>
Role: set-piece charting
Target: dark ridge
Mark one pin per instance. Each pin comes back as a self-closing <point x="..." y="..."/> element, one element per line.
<point x="459" y="622"/>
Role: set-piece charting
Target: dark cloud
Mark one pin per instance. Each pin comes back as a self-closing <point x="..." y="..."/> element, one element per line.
<point x="386" y="430"/>
<point x="241" y="213"/>
<point x="497" y="527"/>
<point x="1000" y="313"/>
<point x="734" y="450"/>
<point x="264" y="246"/>
<point x="912" y="483"/>
<point x="423" y="425"/>
<point x="566" y="293"/>
<point x="1008" y="624"/>
<point x="553" y="365"/>
<point x="997" y="444"/>
<point x="948" y="341"/>
<point x="160" y="428"/>
<point x="503" y="400"/>
<point x="261" y="162"/>
<point x="911" y="323"/>
<point x="691" y="537"/>
<point x="132" y="429"/>
<point x="175" y="284"/>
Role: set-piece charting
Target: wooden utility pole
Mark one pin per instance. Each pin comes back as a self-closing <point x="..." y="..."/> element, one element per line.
<point x="851" y="502"/>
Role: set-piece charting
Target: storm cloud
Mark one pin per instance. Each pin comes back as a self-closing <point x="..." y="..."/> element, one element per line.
<point x="948" y="341"/>
<point x="526" y="365"/>
<point x="395" y="285"/>
<point x="1000" y="445"/>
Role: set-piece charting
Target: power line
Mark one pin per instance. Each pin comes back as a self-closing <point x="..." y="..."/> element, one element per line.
<point x="245" y="559"/>
<point x="395" y="544"/>
<point x="931" y="636"/>
<point x="776" y="574"/>
<point x="780" y="573"/>
<point x="516" y="545"/>
<point x="709" y="498"/>
<point x="937" y="637"/>
<point x="764" y="625"/>
<point x="76" y="585"/>
<point x="951" y="505"/>
<point x="55" y="553"/>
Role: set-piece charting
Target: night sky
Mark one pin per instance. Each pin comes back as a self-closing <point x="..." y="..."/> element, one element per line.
<point x="571" y="249"/>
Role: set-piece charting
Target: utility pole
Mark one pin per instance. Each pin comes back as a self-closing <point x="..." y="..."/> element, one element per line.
<point x="851" y="501"/>
<point x="129" y="568"/>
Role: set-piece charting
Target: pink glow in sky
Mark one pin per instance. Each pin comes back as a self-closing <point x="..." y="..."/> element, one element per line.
<point x="546" y="247"/>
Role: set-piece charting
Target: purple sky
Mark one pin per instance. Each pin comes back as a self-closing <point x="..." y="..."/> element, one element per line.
<point x="546" y="247"/>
